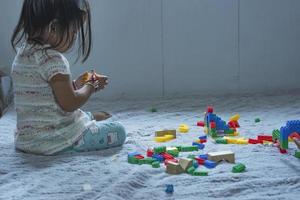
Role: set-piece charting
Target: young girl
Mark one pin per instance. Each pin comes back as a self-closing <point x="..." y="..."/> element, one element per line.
<point x="47" y="101"/>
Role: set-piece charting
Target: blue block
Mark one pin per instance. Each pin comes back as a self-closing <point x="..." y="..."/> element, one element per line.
<point x="158" y="157"/>
<point x="203" y="156"/>
<point x="203" y="137"/>
<point x="133" y="154"/>
<point x="210" y="164"/>
<point x="169" y="189"/>
<point x="199" y="145"/>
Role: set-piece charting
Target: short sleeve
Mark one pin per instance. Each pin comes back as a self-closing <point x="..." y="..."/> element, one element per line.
<point x="51" y="63"/>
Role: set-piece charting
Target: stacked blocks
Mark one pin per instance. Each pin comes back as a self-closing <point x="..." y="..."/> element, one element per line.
<point x="285" y="131"/>
<point x="216" y="127"/>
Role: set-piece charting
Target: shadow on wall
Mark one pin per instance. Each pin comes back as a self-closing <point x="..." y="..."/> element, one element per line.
<point x="6" y="90"/>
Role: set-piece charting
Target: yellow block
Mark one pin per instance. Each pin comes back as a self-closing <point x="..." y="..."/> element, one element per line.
<point x="183" y="128"/>
<point x="169" y="137"/>
<point x="205" y="130"/>
<point x="242" y="141"/>
<point x="160" y="139"/>
<point x="231" y="140"/>
<point x="235" y="117"/>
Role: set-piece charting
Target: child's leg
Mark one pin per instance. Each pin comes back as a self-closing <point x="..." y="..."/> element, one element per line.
<point x="108" y="135"/>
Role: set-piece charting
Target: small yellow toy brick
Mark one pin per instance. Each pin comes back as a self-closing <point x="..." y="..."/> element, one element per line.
<point x="205" y="130"/>
<point x="165" y="132"/>
<point x="231" y="140"/>
<point x="183" y="128"/>
<point x="241" y="141"/>
<point x="160" y="139"/>
<point x="235" y="117"/>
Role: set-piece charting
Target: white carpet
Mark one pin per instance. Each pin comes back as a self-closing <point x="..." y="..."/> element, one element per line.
<point x="270" y="175"/>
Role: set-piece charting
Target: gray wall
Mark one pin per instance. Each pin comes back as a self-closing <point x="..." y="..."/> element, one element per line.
<point x="151" y="48"/>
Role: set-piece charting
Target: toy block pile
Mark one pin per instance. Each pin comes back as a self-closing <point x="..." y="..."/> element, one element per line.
<point x="216" y="127"/>
<point x="291" y="128"/>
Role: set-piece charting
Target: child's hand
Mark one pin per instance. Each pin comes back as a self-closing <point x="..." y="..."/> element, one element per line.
<point x="100" y="81"/>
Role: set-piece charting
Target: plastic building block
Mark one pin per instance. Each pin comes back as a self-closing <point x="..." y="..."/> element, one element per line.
<point x="203" y="156"/>
<point x="257" y="120"/>
<point x="210" y="109"/>
<point x="235" y="117"/>
<point x="165" y="132"/>
<point x="221" y="141"/>
<point x="265" y="138"/>
<point x="150" y="152"/>
<point x="139" y="157"/>
<point x="200" y="173"/>
<point x="191" y="170"/>
<point x="199" y="145"/>
<point x="158" y="157"/>
<point x="183" y="128"/>
<point x="160" y="149"/>
<point x="295" y="135"/>
<point x="191" y="156"/>
<point x="133" y="160"/>
<point x="238" y="168"/>
<point x="169" y="189"/>
<point x="155" y="164"/>
<point x="222" y="155"/>
<point x="174" y="168"/>
<point x="185" y="163"/>
<point x="201" y="123"/>
<point x="210" y="164"/>
<point x="153" y="110"/>
<point x="297" y="154"/>
<point x="254" y="141"/>
<point x="283" y="151"/>
<point x="285" y="131"/>
<point x="189" y="148"/>
<point x="178" y="148"/>
<point x="203" y="141"/>
<point x="200" y="161"/>
<point x="167" y="156"/>
<point x="174" y="153"/>
<point x="242" y="141"/>
<point x="195" y="164"/>
<point x="171" y="160"/>
<point x="149" y="161"/>
<point x="275" y="135"/>
<point x="203" y="137"/>
<point x="213" y="125"/>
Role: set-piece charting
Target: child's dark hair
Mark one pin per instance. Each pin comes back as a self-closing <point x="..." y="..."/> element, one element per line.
<point x="70" y="17"/>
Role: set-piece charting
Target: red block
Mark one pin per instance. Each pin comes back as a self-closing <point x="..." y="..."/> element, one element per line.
<point x="200" y="161"/>
<point x="167" y="156"/>
<point x="210" y="109"/>
<point x="201" y="123"/>
<point x="253" y="141"/>
<point x="213" y="125"/>
<point x="202" y="141"/>
<point x="170" y="160"/>
<point x="150" y="153"/>
<point x="283" y="151"/>
<point x="295" y="135"/>
<point x="265" y="138"/>
<point x="140" y="157"/>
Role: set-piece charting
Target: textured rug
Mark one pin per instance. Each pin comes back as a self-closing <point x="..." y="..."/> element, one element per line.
<point x="107" y="175"/>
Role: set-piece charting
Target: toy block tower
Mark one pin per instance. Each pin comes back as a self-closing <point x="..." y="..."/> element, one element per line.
<point x="285" y="131"/>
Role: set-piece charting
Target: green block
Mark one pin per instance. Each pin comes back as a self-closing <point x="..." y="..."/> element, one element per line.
<point x="275" y="135"/>
<point x="149" y="161"/>
<point x="174" y="153"/>
<point x="257" y="120"/>
<point x="191" y="156"/>
<point x="191" y="170"/>
<point x="229" y="131"/>
<point x="200" y="173"/>
<point x="213" y="132"/>
<point x="239" y="168"/>
<point x="189" y="148"/>
<point x="221" y="141"/>
<point x="141" y="162"/>
<point x="284" y="144"/>
<point x="133" y="160"/>
<point x="158" y="150"/>
<point x="179" y="148"/>
<point x="153" y="110"/>
<point x="156" y="164"/>
<point x="297" y="154"/>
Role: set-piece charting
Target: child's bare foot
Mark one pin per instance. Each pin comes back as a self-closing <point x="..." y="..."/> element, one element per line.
<point x="100" y="116"/>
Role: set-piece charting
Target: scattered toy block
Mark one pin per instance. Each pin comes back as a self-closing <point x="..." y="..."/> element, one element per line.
<point x="189" y="148"/>
<point x="161" y="139"/>
<point x="199" y="145"/>
<point x="153" y="110"/>
<point x="265" y="138"/>
<point x="133" y="160"/>
<point x="161" y="149"/>
<point x="204" y="137"/>
<point x="210" y="164"/>
<point x="171" y="160"/>
<point x="173" y="152"/>
<point x="295" y="135"/>
<point x="253" y="141"/>
<point x="241" y="141"/>
<point x="183" y="128"/>
<point x="297" y="154"/>
<point x="191" y="170"/>
<point x="174" y="168"/>
<point x="210" y="109"/>
<point x="200" y="173"/>
<point x="191" y="156"/>
<point x="203" y="156"/>
<point x="155" y="164"/>
<point x="195" y="164"/>
<point x="139" y="157"/>
<point x="235" y="117"/>
<point x="185" y="163"/>
<point x="169" y="189"/>
<point x="221" y="141"/>
<point x="201" y="123"/>
<point x="150" y="152"/>
<point x="213" y="125"/>
<point x="238" y="168"/>
<point x="149" y="161"/>
<point x="275" y="135"/>
<point x="283" y="151"/>
<point x="222" y="155"/>
<point x="257" y="120"/>
<point x="167" y="156"/>
<point x="158" y="157"/>
<point x="200" y="161"/>
<point x="165" y="132"/>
